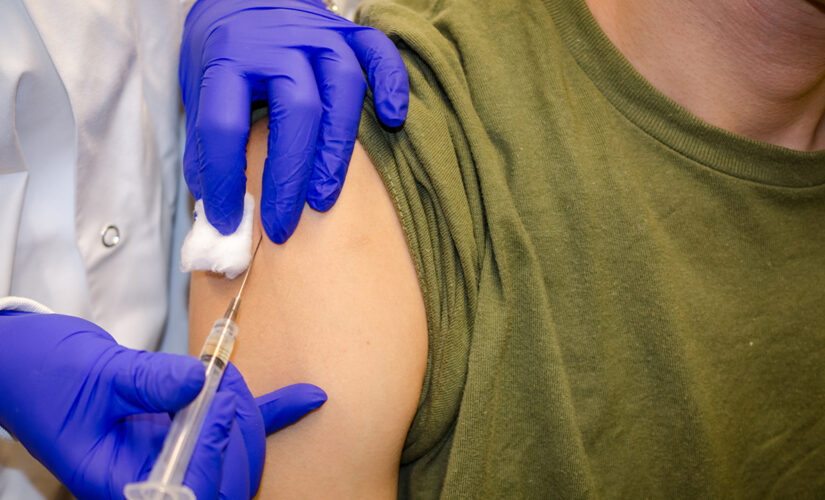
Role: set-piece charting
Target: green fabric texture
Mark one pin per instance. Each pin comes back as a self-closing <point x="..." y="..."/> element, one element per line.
<point x="623" y="301"/>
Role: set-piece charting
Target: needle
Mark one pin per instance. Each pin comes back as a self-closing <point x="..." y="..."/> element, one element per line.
<point x="232" y="310"/>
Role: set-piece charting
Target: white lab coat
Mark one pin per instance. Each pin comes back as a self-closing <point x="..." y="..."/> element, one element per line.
<point x="89" y="140"/>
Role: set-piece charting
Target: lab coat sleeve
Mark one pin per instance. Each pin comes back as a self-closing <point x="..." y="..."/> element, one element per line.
<point x="13" y="171"/>
<point x="13" y="174"/>
<point x="12" y="191"/>
<point x="15" y="64"/>
<point x="13" y="179"/>
<point x="37" y="141"/>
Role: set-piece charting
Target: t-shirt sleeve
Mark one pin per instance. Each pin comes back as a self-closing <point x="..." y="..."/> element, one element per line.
<point x="429" y="170"/>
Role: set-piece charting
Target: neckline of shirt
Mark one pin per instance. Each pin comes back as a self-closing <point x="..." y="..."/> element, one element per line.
<point x="668" y="122"/>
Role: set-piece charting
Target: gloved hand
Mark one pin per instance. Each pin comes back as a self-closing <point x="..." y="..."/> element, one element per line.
<point x="94" y="412"/>
<point x="306" y="62"/>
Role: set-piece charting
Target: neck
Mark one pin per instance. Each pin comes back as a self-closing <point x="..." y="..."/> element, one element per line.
<point x="753" y="67"/>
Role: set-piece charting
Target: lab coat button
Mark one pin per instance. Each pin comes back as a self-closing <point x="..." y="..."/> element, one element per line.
<point x="110" y="236"/>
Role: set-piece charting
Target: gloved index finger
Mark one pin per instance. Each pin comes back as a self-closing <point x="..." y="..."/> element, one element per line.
<point x="222" y="130"/>
<point x="289" y="404"/>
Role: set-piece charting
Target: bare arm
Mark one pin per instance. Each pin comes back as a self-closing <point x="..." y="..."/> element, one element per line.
<point x="339" y="306"/>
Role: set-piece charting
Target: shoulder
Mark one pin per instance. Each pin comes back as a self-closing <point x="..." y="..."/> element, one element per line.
<point x="339" y="306"/>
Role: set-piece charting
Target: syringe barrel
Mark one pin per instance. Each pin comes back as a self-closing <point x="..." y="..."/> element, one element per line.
<point x="171" y="465"/>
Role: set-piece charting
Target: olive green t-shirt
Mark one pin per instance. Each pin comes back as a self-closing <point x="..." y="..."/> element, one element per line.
<point x="623" y="301"/>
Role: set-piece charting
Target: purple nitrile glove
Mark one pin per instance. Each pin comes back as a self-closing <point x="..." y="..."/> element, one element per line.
<point x="307" y="63"/>
<point x="95" y="413"/>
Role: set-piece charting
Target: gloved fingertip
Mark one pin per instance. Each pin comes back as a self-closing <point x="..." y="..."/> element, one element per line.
<point x="322" y="204"/>
<point x="309" y="394"/>
<point x="276" y="233"/>
<point x="191" y="379"/>
<point x="182" y="383"/>
<point x="391" y="114"/>
<point x="321" y="196"/>
<point x="155" y="382"/>
<point x="289" y="404"/>
<point x="392" y="99"/>
<point x="279" y="229"/>
<point x="223" y="206"/>
<point x="227" y="223"/>
<point x="314" y="396"/>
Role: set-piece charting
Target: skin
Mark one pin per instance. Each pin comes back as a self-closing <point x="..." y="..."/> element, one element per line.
<point x="339" y="305"/>
<point x="752" y="67"/>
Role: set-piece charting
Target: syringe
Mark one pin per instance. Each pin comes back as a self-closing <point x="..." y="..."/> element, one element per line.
<point x="165" y="482"/>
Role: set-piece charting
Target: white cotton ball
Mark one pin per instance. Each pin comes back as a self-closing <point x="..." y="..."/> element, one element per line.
<point x="205" y="249"/>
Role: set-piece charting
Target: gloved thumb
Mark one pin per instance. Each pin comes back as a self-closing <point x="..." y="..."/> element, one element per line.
<point x="289" y="404"/>
<point x="155" y="382"/>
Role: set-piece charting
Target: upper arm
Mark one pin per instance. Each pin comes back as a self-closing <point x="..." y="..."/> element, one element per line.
<point x="339" y="306"/>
